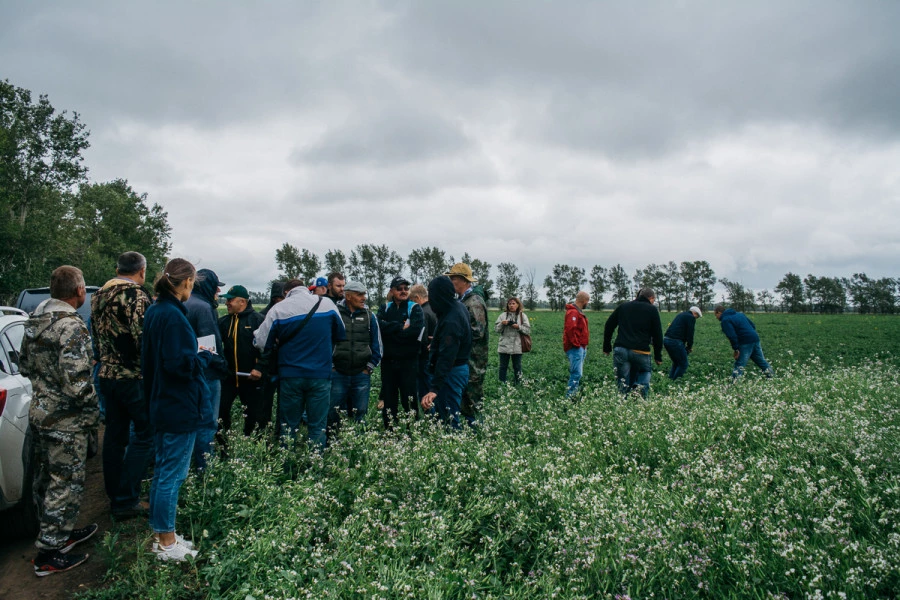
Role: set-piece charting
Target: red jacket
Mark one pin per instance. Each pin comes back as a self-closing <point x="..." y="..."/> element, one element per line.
<point x="575" y="333"/>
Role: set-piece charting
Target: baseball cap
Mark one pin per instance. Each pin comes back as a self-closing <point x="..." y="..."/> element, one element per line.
<point x="236" y="291"/>
<point x="696" y="309"/>
<point x="321" y="282"/>
<point x="396" y="282"/>
<point x="210" y="275"/>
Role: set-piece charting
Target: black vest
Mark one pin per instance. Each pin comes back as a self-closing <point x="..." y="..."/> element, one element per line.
<point x="353" y="354"/>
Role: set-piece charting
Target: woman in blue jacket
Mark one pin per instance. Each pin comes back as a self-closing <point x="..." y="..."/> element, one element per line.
<point x="175" y="387"/>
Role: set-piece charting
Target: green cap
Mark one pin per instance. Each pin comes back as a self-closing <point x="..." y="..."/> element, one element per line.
<point x="237" y="291"/>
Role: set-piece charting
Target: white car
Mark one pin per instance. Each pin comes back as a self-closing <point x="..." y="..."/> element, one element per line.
<point x="18" y="514"/>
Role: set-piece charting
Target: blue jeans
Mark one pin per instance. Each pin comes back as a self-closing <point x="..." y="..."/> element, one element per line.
<point x="632" y="369"/>
<point x="750" y="352"/>
<point x="128" y="441"/>
<point x="101" y="398"/>
<point x="677" y="351"/>
<point x="577" y="357"/>
<point x="205" y="436"/>
<point x="350" y="396"/>
<point x="299" y="394"/>
<point x="450" y="395"/>
<point x="173" y="458"/>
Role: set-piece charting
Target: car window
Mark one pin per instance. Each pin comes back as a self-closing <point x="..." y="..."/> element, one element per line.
<point x="5" y="365"/>
<point x="11" y="340"/>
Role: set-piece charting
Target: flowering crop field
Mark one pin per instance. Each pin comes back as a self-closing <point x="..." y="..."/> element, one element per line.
<point x="783" y="488"/>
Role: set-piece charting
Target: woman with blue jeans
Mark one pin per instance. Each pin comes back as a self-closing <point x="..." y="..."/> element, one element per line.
<point x="178" y="398"/>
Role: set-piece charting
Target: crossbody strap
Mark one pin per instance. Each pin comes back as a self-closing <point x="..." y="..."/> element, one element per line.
<point x="283" y="341"/>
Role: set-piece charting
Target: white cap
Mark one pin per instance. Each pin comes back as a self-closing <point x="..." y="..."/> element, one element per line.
<point x="696" y="309"/>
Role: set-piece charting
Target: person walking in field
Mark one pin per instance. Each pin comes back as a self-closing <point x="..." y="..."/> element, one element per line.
<point x="56" y="357"/>
<point x="354" y="359"/>
<point x="245" y="375"/>
<point x="448" y="360"/>
<point x="511" y="324"/>
<point x="741" y="332"/>
<point x="679" y="340"/>
<point x="117" y="321"/>
<point x="639" y="328"/>
<point x="473" y="298"/>
<point x="576" y="336"/>
<point x="181" y="407"/>
<point x="402" y="325"/>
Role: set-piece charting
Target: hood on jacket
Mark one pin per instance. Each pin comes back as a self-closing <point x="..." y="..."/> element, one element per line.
<point x="479" y="289"/>
<point x="206" y="285"/>
<point x="441" y="294"/>
<point x="46" y="314"/>
<point x="573" y="306"/>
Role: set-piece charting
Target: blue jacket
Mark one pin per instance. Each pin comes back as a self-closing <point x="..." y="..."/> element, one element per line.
<point x="203" y="315"/>
<point x="682" y="328"/>
<point x="307" y="353"/>
<point x="452" y="341"/>
<point x="174" y="384"/>
<point x="738" y="328"/>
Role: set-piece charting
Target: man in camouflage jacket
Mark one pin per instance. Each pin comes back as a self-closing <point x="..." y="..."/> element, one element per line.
<point x="56" y="356"/>
<point x="117" y="322"/>
<point x="473" y="396"/>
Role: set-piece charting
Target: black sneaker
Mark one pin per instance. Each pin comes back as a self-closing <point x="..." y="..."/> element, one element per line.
<point x="140" y="509"/>
<point x="54" y="561"/>
<point x="79" y="535"/>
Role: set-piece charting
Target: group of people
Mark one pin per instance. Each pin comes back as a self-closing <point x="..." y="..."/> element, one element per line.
<point x="640" y="340"/>
<point x="169" y="370"/>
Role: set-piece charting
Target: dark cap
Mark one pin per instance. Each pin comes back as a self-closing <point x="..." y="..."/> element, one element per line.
<point x="398" y="281"/>
<point x="210" y="276"/>
<point x="237" y="291"/>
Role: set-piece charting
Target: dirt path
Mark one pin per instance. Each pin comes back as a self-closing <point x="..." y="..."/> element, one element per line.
<point x="17" y="578"/>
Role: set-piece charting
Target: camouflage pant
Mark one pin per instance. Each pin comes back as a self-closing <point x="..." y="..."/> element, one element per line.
<point x="58" y="483"/>
<point x="473" y="395"/>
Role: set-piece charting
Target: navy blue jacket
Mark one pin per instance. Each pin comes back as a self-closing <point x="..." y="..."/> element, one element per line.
<point x="639" y="327"/>
<point x="203" y="315"/>
<point x="738" y="328"/>
<point x="682" y="328"/>
<point x="452" y="341"/>
<point x="400" y="343"/>
<point x="174" y="384"/>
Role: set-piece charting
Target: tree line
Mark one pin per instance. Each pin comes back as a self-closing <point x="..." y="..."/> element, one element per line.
<point x="52" y="214"/>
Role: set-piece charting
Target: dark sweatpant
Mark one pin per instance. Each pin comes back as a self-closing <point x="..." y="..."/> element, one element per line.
<point x="252" y="397"/>
<point x="398" y="386"/>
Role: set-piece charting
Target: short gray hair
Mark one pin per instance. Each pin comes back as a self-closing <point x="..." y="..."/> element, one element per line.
<point x="130" y="263"/>
<point x="65" y="282"/>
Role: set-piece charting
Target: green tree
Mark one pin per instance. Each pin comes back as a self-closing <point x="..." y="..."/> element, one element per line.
<point x="766" y="300"/>
<point x="530" y="292"/>
<point x="40" y="161"/>
<point x="297" y="263"/>
<point x="618" y="283"/>
<point x="375" y="266"/>
<point x="508" y="280"/>
<point x="599" y="282"/>
<point x="790" y="288"/>
<point x="108" y="219"/>
<point x="825" y="294"/>
<point x="562" y="284"/>
<point x="482" y="272"/>
<point x="698" y="280"/>
<point x="426" y="263"/>
<point x="737" y="296"/>
<point x="335" y="260"/>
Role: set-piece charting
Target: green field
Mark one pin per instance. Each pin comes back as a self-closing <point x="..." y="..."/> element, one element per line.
<point x="767" y="489"/>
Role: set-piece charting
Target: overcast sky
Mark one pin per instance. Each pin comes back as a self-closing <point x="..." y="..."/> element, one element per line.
<point x="763" y="137"/>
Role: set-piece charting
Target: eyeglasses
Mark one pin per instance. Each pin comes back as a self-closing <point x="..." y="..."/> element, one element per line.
<point x="402" y="288"/>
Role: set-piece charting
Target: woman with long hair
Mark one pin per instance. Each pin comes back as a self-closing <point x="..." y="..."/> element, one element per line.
<point x="172" y="364"/>
<point x="511" y="325"/>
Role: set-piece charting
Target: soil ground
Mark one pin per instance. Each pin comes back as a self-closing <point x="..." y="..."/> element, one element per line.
<point x="17" y="578"/>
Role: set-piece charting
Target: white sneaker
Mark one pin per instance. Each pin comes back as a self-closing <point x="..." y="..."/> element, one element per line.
<point x="178" y="538"/>
<point x="175" y="552"/>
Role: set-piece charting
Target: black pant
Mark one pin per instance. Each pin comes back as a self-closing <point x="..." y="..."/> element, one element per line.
<point x="517" y="367"/>
<point x="398" y="381"/>
<point x="252" y="397"/>
<point x="126" y="458"/>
